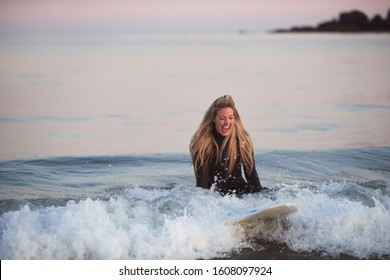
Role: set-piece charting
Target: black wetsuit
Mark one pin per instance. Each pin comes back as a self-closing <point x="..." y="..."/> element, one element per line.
<point x="240" y="182"/>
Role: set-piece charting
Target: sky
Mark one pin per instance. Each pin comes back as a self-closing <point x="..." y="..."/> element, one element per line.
<point x="176" y="15"/>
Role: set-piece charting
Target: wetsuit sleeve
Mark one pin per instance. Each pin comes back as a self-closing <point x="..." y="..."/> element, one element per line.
<point x="202" y="178"/>
<point x="253" y="179"/>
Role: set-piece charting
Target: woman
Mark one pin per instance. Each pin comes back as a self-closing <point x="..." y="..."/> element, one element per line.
<point x="222" y="151"/>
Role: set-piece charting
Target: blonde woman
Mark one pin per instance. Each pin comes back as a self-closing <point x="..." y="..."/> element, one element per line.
<point x="222" y="151"/>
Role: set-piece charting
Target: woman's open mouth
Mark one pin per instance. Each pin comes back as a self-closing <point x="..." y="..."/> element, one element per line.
<point x="225" y="129"/>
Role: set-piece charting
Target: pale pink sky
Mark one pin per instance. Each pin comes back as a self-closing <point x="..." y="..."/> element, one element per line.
<point x="178" y="15"/>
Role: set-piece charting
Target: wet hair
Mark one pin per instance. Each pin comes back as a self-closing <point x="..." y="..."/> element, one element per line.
<point x="203" y="144"/>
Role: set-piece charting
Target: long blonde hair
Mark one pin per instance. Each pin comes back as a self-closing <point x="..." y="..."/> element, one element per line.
<point x="203" y="143"/>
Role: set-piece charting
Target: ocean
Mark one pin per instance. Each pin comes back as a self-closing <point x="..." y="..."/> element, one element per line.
<point x="94" y="135"/>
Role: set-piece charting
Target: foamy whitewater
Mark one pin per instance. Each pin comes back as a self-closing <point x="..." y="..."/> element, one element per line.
<point x="147" y="207"/>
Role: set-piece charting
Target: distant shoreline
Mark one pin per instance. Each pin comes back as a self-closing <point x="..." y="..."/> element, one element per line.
<point x="348" y="22"/>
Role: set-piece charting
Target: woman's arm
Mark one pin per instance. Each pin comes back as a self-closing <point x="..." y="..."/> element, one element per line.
<point x="202" y="178"/>
<point x="253" y="179"/>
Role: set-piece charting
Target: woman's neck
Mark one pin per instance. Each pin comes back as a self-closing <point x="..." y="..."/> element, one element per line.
<point x="218" y="137"/>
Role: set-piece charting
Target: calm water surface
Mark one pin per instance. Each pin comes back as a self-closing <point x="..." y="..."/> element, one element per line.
<point x="104" y="95"/>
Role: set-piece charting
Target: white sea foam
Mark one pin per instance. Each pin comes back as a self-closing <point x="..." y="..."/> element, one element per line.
<point x="118" y="229"/>
<point x="190" y="223"/>
<point x="338" y="225"/>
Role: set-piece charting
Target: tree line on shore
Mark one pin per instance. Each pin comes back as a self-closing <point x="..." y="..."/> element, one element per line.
<point x="354" y="21"/>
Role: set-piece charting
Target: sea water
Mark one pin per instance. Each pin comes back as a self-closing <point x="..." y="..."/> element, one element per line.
<point x="94" y="135"/>
<point x="147" y="207"/>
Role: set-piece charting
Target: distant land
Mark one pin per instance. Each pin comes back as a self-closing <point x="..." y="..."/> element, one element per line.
<point x="353" y="21"/>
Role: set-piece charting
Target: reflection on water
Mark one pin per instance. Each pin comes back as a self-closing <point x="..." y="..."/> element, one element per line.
<point x="147" y="94"/>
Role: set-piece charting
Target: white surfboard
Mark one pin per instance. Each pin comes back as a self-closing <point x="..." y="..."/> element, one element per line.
<point x="258" y="223"/>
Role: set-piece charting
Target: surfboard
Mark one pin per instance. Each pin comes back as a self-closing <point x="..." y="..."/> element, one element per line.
<point x="263" y="222"/>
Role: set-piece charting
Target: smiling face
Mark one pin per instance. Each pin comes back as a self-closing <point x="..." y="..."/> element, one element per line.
<point x="224" y="121"/>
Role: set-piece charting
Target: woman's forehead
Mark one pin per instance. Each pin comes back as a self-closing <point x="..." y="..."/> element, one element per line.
<point x="228" y="111"/>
